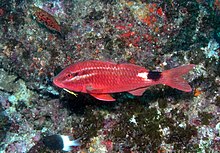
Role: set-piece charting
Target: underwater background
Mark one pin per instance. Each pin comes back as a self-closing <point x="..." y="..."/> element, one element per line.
<point x="40" y="38"/>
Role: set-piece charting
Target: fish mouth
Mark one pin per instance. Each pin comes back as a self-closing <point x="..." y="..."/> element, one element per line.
<point x="57" y="83"/>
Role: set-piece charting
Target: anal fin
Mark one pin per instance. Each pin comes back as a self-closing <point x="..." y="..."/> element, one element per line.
<point x="138" y="92"/>
<point x="104" y="97"/>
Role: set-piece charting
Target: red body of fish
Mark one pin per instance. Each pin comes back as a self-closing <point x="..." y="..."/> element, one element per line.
<point x="99" y="78"/>
<point x="46" y="19"/>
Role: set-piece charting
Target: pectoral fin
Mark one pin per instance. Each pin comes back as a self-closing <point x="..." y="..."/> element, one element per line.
<point x="138" y="92"/>
<point x="92" y="89"/>
<point x="104" y="97"/>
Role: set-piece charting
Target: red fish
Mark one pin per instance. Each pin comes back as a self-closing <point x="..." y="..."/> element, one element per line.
<point x="45" y="19"/>
<point x="100" y="79"/>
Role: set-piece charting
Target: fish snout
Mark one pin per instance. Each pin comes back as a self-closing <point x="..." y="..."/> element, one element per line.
<point x="57" y="82"/>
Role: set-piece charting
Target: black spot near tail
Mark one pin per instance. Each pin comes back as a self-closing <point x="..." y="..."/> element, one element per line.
<point x="155" y="76"/>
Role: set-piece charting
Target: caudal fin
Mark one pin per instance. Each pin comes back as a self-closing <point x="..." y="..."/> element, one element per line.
<point x="173" y="77"/>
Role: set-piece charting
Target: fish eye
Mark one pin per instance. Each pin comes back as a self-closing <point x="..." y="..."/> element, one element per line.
<point x="69" y="75"/>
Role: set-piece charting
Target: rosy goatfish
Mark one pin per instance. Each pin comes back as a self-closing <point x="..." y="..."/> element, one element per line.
<point x="100" y="78"/>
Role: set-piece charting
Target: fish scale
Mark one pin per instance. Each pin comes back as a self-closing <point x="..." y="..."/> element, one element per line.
<point x="111" y="75"/>
<point x="100" y="79"/>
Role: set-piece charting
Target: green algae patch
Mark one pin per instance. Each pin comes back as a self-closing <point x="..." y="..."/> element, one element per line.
<point x="180" y="137"/>
<point x="162" y="103"/>
<point x="205" y="118"/>
<point x="138" y="126"/>
<point x="91" y="123"/>
<point x="217" y="101"/>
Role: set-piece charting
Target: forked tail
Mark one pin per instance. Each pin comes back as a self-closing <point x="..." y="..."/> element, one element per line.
<point x="173" y="77"/>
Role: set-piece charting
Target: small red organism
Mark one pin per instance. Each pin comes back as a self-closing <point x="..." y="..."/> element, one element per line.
<point x="132" y="61"/>
<point x="46" y="19"/>
<point x="127" y="34"/>
<point x="2" y="12"/>
<point x="160" y="11"/>
<point x="136" y="41"/>
<point x="68" y="60"/>
<point x="217" y="4"/>
<point x="14" y="127"/>
<point x="51" y="37"/>
<point x="108" y="144"/>
<point x="120" y="27"/>
<point x="197" y="92"/>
